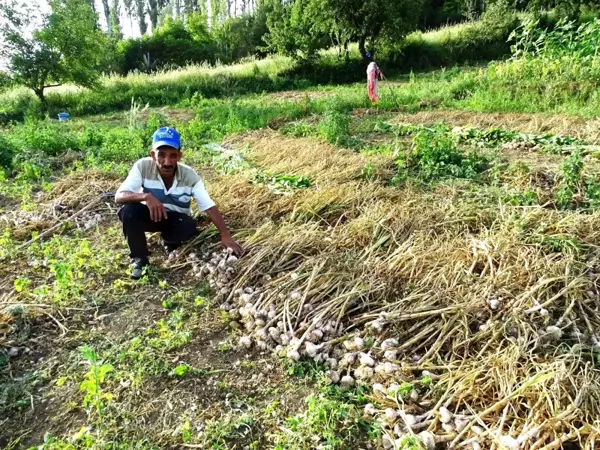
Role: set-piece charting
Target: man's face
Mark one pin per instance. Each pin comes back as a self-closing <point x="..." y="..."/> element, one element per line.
<point x="166" y="158"/>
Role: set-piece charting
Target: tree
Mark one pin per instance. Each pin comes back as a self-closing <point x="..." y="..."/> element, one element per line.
<point x="368" y="21"/>
<point x="154" y="9"/>
<point x="115" y="25"/>
<point x="106" y="7"/>
<point x="299" y="29"/>
<point x="140" y="12"/>
<point x="65" y="50"/>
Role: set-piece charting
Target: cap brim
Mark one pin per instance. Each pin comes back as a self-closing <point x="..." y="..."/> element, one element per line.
<point x="159" y="144"/>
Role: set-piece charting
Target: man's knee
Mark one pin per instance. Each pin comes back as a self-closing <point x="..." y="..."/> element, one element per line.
<point x="131" y="212"/>
<point x="181" y="228"/>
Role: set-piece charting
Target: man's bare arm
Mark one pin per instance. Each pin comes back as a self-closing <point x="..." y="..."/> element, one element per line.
<point x="130" y="197"/>
<point x="215" y="216"/>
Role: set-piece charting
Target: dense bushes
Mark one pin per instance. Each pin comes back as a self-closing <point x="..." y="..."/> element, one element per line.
<point x="483" y="40"/>
<point x="176" y="44"/>
<point x="173" y="44"/>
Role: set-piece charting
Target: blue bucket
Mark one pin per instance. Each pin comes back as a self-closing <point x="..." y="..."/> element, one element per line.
<point x="63" y="117"/>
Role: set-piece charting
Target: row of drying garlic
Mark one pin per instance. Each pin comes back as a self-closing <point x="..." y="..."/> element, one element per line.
<point x="220" y="273"/>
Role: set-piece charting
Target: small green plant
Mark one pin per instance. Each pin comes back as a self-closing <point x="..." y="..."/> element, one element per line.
<point x="298" y="129"/>
<point x="22" y="284"/>
<point x="368" y="171"/>
<point x="309" y="368"/>
<point x="281" y="184"/>
<point x="570" y="189"/>
<point x="326" y="423"/>
<point x="335" y="127"/>
<point x="95" y="398"/>
<point x="411" y="442"/>
<point x="435" y="156"/>
<point x="182" y="370"/>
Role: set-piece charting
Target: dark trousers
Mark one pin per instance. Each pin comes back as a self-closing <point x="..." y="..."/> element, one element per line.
<point x="175" y="230"/>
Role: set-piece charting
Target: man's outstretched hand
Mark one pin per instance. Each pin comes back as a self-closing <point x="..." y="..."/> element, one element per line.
<point x="228" y="242"/>
<point x="158" y="211"/>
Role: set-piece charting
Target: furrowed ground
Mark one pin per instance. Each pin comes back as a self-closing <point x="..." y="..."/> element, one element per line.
<point x="419" y="273"/>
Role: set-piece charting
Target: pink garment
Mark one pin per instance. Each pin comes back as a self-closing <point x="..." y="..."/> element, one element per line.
<point x="373" y="76"/>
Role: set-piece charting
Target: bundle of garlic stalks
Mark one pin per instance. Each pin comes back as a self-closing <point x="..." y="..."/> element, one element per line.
<point x="494" y="334"/>
<point x="83" y="199"/>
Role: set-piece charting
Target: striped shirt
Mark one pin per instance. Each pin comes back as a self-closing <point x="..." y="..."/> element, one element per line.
<point x="144" y="177"/>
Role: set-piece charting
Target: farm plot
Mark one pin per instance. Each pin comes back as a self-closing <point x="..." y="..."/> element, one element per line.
<point x="440" y="284"/>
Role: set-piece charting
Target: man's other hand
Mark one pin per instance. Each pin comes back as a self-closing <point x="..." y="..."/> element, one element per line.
<point x="228" y="242"/>
<point x="158" y="211"/>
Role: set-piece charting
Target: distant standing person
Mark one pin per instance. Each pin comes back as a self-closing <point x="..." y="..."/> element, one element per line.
<point x="156" y="196"/>
<point x="374" y="74"/>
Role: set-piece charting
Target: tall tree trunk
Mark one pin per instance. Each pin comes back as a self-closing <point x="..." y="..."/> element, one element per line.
<point x="362" y="49"/>
<point x="115" y="24"/>
<point x="153" y="13"/>
<point x="39" y="92"/>
<point x="106" y="8"/>
<point x="140" y="9"/>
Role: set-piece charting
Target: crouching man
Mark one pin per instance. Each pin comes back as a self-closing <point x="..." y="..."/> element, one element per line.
<point x="156" y="196"/>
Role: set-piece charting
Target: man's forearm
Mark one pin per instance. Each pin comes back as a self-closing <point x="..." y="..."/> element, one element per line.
<point x="215" y="217"/>
<point x="130" y="197"/>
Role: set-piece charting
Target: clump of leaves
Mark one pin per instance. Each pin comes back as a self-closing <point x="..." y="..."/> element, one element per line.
<point x="298" y="129"/>
<point x="281" y="184"/>
<point x="335" y="127"/>
<point x="435" y="156"/>
<point x="326" y="423"/>
<point x="575" y="187"/>
<point x="95" y="398"/>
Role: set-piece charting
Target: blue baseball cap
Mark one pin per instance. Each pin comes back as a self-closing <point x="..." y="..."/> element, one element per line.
<point x="166" y="136"/>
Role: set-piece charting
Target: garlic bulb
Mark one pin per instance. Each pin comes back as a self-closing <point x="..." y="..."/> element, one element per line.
<point x="349" y="359"/>
<point x="347" y="381"/>
<point x="390" y="368"/>
<point x="370" y="409"/>
<point x="377" y="325"/>
<point x="554" y="333"/>
<point x="448" y="428"/>
<point x="494" y="304"/>
<point x="391" y="415"/>
<point x="389" y="343"/>
<point x="460" y="424"/>
<point x="445" y="415"/>
<point x="245" y="341"/>
<point x="414" y="395"/>
<point x="391" y="355"/>
<point x="333" y="376"/>
<point x="311" y="349"/>
<point x="477" y="429"/>
<point x="509" y="442"/>
<point x="387" y="442"/>
<point x="428" y="439"/>
<point x="293" y="355"/>
<point x="379" y="388"/>
<point x="359" y="342"/>
<point x="364" y="372"/>
<point x="366" y="359"/>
